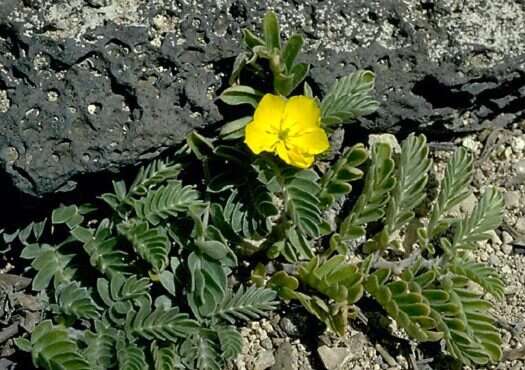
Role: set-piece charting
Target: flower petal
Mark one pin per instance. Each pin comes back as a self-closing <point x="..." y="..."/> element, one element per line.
<point x="269" y="112"/>
<point x="312" y="141"/>
<point x="294" y="157"/>
<point x="259" y="139"/>
<point x="301" y="113"/>
<point x="300" y="159"/>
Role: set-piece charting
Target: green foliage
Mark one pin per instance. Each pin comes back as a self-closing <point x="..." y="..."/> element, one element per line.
<point x="406" y="306"/>
<point x="409" y="192"/>
<point x="52" y="348"/>
<point x="100" y="349"/>
<point x="412" y="178"/>
<point x="130" y="356"/>
<point x="76" y="301"/>
<point x="370" y="206"/>
<point x="481" y="274"/>
<point x="152" y="244"/>
<point x="165" y="357"/>
<point x="462" y="316"/>
<point x="349" y="98"/>
<point x="334" y="277"/>
<point x="230" y="340"/>
<point x="336" y="181"/>
<point x="486" y="216"/>
<point x="161" y="324"/>
<point x="301" y="200"/>
<point x="167" y="201"/>
<point x="281" y="57"/>
<point x="245" y="304"/>
<point x="453" y="190"/>
<point x="49" y="263"/>
<point x="240" y="94"/>
<point x="102" y="249"/>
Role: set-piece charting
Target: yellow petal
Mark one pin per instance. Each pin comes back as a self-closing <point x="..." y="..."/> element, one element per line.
<point x="300" y="159"/>
<point x="301" y="113"/>
<point x="259" y="139"/>
<point x="312" y="141"/>
<point x="269" y="112"/>
<point x="294" y="157"/>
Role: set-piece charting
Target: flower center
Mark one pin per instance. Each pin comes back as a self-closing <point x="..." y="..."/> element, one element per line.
<point x="283" y="134"/>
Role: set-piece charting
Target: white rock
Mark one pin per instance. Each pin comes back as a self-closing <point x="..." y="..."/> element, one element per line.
<point x="471" y="144"/>
<point x="518" y="144"/>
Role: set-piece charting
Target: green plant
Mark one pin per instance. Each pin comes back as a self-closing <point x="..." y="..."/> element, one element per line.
<point x="157" y="291"/>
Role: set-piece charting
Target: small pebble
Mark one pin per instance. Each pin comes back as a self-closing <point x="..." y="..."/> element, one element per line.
<point x="512" y="199"/>
<point x="507" y="238"/>
<point x="520" y="225"/>
<point x="506" y="248"/>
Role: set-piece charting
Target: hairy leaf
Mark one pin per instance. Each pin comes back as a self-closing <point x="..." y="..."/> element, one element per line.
<point x="208" y="284"/>
<point x="370" y="205"/>
<point x="246" y="304"/>
<point x="241" y="94"/>
<point x="405" y="304"/>
<point x="296" y="247"/>
<point x="349" y="98"/>
<point x="102" y="249"/>
<point x="161" y="324"/>
<point x="334" y="277"/>
<point x="480" y="273"/>
<point x="130" y="356"/>
<point x="52" y="348"/>
<point x="120" y="294"/>
<point x="302" y="203"/>
<point x="152" y="244"/>
<point x="453" y="189"/>
<point x="100" y="351"/>
<point x="486" y="216"/>
<point x="166" y="201"/>
<point x="469" y="330"/>
<point x="165" y="357"/>
<point x="49" y="263"/>
<point x="230" y="340"/>
<point x="412" y="177"/>
<point x="336" y="182"/>
<point x="271" y="31"/>
<point x="76" y="301"/>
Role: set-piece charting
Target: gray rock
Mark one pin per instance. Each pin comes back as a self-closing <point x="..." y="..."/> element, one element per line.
<point x="506" y="249"/>
<point x="264" y="360"/>
<point x="288" y="327"/>
<point x="334" y="358"/>
<point x="512" y="199"/>
<point x="286" y="358"/>
<point x="520" y="225"/>
<point x="98" y="3"/>
<point x="507" y="238"/>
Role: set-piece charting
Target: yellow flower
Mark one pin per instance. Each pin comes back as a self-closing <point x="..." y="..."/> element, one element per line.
<point x="289" y="128"/>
